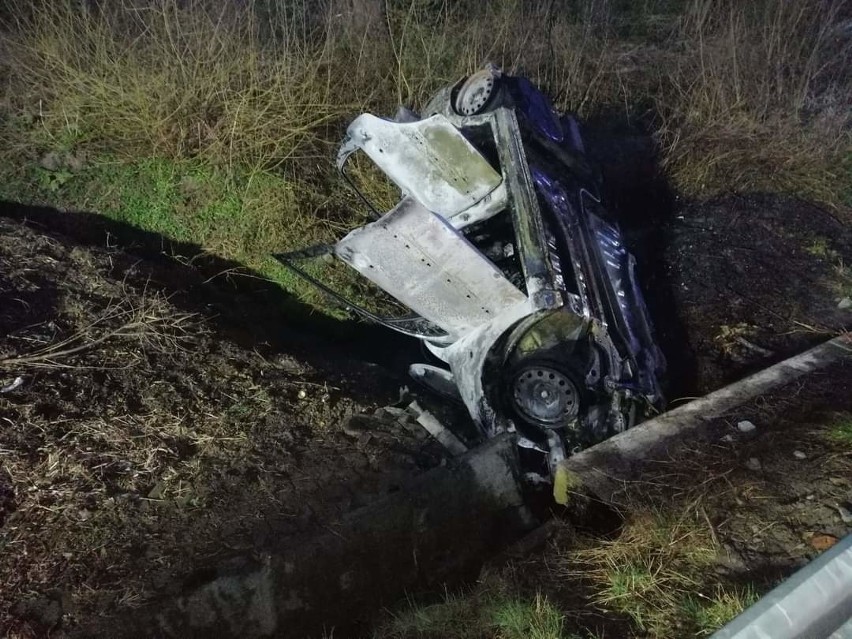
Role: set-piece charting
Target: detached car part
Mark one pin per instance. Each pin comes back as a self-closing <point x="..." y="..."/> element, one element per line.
<point x="516" y="277"/>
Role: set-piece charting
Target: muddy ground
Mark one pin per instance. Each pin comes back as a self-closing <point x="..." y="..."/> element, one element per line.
<point x="173" y="412"/>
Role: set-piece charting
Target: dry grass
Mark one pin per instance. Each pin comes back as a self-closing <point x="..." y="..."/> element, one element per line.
<point x="746" y="95"/>
<point x="142" y="442"/>
<point x="148" y="321"/>
<point x="214" y="122"/>
<point x="168" y="79"/>
<point x="661" y="569"/>
<point x="757" y="98"/>
<point x="656" y="572"/>
<point x="491" y="612"/>
<point x="77" y="479"/>
<point x="670" y="569"/>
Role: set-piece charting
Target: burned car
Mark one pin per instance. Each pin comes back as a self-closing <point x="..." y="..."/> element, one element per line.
<point x="513" y="273"/>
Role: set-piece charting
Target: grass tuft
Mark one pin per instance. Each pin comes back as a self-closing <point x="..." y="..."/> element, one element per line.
<point x="840" y="431"/>
<point x="539" y="619"/>
<point x="708" y="614"/>
<point x="487" y="612"/>
<point x="655" y="572"/>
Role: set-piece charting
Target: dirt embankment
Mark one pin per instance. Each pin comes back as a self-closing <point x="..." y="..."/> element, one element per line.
<point x="145" y="439"/>
<point x="167" y="418"/>
<point x="744" y="281"/>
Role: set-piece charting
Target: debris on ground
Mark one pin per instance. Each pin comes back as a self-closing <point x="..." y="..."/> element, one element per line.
<point x="746" y="426"/>
<point x="700" y="536"/>
<point x="753" y="463"/>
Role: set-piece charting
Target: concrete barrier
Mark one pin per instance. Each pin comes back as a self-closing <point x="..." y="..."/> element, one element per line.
<point x="600" y="471"/>
<point x="446" y="524"/>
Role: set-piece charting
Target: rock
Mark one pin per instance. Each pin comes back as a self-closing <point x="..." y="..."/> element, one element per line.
<point x="728" y="439"/>
<point x="845" y="304"/>
<point x="357" y="426"/>
<point x="799" y="454"/>
<point x="302" y="394"/>
<point x="730" y="560"/>
<point x="157" y="491"/>
<point x="845" y="513"/>
<point x="16" y="383"/>
<point x="754" y="464"/>
<point x="390" y="413"/>
<point x="288" y="364"/>
<point x="746" y="426"/>
<point x="51" y="161"/>
<point x="355" y="433"/>
<point x="404" y="396"/>
<point x="76" y="161"/>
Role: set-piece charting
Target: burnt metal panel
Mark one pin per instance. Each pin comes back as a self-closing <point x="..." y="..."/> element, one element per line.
<point x="526" y="215"/>
<point x="422" y="261"/>
<point x="429" y="160"/>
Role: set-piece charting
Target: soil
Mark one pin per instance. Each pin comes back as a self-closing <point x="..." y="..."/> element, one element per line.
<point x="734" y="283"/>
<point x="174" y="409"/>
<point x="151" y="442"/>
<point x="748" y="281"/>
<point x="772" y="500"/>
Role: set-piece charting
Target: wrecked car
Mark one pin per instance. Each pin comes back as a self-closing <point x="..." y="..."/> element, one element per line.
<point x="512" y="272"/>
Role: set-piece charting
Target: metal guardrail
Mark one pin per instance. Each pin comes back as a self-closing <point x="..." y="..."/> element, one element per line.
<point x="815" y="603"/>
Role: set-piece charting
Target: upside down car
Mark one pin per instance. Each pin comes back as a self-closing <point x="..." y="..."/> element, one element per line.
<point x="511" y="270"/>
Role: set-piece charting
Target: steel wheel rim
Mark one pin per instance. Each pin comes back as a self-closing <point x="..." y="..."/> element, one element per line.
<point x="475" y="93"/>
<point x="544" y="395"/>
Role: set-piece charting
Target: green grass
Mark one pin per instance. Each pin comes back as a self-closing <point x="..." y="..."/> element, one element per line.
<point x="484" y="613"/>
<point x="538" y="619"/>
<point x="658" y="572"/>
<point x="627" y="584"/>
<point x="245" y="217"/>
<point x="820" y="247"/>
<point x="707" y="614"/>
<point x="840" y="431"/>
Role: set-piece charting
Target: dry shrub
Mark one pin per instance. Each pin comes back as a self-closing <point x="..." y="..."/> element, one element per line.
<point x="756" y="100"/>
<point x="258" y="82"/>
<point x="169" y="78"/>
<point x="747" y="95"/>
